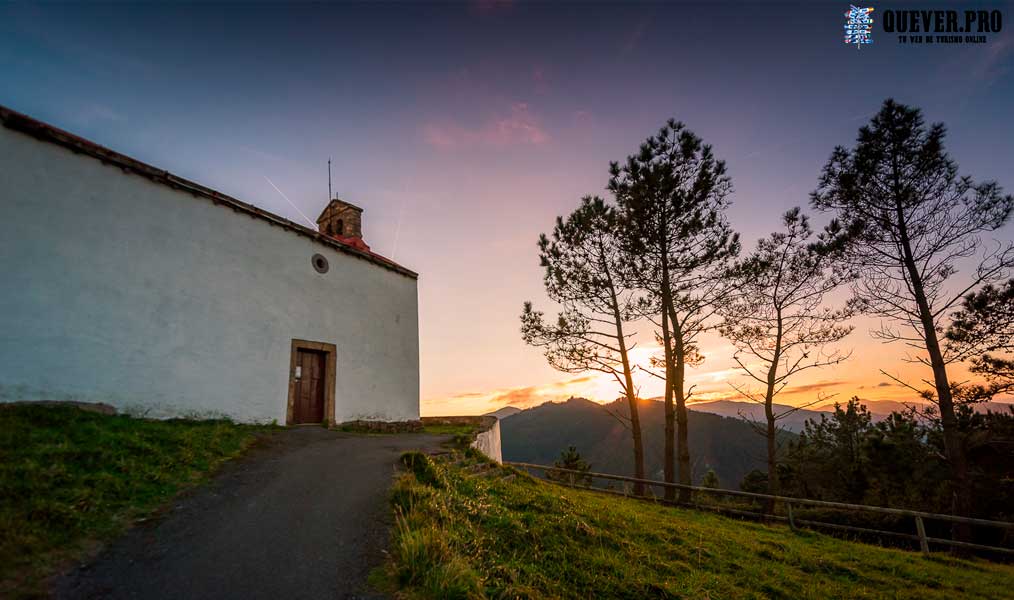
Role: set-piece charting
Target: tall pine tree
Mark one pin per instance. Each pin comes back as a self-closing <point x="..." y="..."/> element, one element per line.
<point x="583" y="263"/>
<point x="672" y="196"/>
<point x="778" y="322"/>
<point x="915" y="219"/>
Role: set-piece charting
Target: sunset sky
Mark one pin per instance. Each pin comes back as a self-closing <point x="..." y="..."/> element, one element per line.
<point x="463" y="130"/>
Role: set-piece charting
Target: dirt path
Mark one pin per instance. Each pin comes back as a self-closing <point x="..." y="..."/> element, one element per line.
<point x="303" y="516"/>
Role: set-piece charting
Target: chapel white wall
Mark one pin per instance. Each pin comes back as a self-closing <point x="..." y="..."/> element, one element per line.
<point x="120" y="290"/>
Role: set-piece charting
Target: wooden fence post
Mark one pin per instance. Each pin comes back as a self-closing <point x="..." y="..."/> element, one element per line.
<point x="792" y="519"/>
<point x="920" y="528"/>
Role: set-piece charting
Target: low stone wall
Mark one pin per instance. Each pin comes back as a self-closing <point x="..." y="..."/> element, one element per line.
<point x="95" y="407"/>
<point x="487" y="439"/>
<point x="381" y="426"/>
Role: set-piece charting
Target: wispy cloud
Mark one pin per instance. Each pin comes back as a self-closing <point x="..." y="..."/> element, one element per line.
<point x="517" y="127"/>
<point x="794" y="390"/>
<point x="521" y="397"/>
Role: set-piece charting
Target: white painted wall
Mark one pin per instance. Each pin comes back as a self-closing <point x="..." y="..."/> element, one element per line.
<point x="117" y="289"/>
<point x="488" y="442"/>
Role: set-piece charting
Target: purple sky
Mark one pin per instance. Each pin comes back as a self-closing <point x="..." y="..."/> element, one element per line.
<point x="464" y="129"/>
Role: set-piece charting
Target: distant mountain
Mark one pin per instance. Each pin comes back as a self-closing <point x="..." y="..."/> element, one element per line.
<point x="792" y="421"/>
<point x="881" y="408"/>
<point x="503" y="413"/>
<point x="730" y="446"/>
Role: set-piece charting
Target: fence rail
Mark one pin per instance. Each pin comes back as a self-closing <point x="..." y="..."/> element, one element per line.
<point x="789" y="502"/>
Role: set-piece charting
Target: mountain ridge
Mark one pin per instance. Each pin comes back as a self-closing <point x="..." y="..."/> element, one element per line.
<point x="730" y="446"/>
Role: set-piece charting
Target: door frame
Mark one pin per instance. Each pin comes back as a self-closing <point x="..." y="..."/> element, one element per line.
<point x="330" y="363"/>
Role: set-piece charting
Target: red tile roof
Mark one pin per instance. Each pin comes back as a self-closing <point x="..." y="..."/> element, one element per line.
<point x="43" y="131"/>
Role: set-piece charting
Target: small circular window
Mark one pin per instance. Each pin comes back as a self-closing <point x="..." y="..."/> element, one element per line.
<point x="319" y="263"/>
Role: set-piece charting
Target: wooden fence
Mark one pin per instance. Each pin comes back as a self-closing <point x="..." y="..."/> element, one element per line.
<point x="789" y="502"/>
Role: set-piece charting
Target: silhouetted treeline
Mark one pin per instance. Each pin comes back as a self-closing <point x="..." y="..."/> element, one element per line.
<point x="903" y="219"/>
<point x="897" y="462"/>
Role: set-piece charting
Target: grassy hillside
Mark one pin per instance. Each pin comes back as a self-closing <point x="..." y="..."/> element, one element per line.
<point x="71" y="479"/>
<point x="728" y="445"/>
<point x="473" y="530"/>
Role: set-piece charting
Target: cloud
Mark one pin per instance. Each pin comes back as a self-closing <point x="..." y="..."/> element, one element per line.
<point x="521" y="397"/>
<point x="802" y="389"/>
<point x="704" y="397"/>
<point x="526" y="397"/>
<point x="518" y="127"/>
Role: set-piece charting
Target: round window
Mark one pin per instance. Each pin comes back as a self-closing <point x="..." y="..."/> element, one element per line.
<point x="319" y="263"/>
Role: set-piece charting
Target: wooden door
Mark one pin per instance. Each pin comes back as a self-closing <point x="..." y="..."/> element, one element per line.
<point x="308" y="406"/>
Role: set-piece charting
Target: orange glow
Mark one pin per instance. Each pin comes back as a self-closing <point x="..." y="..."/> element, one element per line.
<point x="713" y="380"/>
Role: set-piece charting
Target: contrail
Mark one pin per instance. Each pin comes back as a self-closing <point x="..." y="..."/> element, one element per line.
<point x="397" y="229"/>
<point x="312" y="224"/>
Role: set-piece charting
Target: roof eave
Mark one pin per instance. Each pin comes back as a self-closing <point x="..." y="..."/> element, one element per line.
<point x="43" y="131"/>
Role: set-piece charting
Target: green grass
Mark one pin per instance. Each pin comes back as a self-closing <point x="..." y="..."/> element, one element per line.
<point x="468" y="530"/>
<point x="70" y="480"/>
<point x="450" y="429"/>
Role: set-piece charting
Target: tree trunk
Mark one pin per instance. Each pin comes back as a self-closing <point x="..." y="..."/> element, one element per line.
<point x="774" y="486"/>
<point x="635" y="432"/>
<point x="953" y="443"/>
<point x="682" y="438"/>
<point x="628" y="382"/>
<point x="628" y="379"/>
<point x="670" y="415"/>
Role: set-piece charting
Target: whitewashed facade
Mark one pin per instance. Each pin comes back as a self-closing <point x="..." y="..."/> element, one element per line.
<point x="125" y="285"/>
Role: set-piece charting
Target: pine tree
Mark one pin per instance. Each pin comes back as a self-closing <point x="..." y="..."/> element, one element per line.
<point x="710" y="480"/>
<point x="777" y="320"/>
<point x="914" y="219"/>
<point x="571" y="460"/>
<point x="582" y="262"/>
<point x="672" y="197"/>
<point x="983" y="331"/>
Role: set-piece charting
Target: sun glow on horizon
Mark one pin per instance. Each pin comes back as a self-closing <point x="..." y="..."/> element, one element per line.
<point x="716" y="379"/>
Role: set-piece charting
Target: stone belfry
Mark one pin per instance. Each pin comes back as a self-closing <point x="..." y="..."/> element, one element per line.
<point x="341" y="219"/>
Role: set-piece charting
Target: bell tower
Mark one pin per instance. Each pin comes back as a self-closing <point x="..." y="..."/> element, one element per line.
<point x="341" y="219"/>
